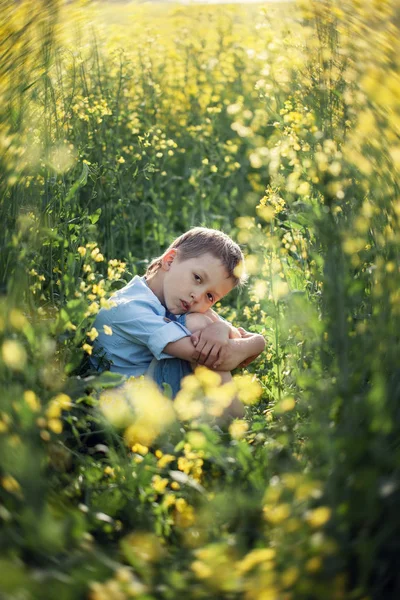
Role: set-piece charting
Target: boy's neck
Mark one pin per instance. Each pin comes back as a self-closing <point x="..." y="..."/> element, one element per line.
<point x="155" y="283"/>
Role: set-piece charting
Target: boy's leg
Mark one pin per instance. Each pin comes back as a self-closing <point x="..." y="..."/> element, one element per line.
<point x="197" y="322"/>
<point x="173" y="370"/>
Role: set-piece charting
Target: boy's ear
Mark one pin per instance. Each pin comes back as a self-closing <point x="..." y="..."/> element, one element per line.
<point x="168" y="258"/>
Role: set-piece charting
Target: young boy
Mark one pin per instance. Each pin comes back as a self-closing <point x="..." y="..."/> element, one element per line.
<point x="162" y="323"/>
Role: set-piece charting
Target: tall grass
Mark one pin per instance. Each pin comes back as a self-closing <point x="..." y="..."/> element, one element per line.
<point x="280" y="127"/>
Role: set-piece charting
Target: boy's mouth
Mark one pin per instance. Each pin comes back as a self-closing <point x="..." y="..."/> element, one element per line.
<point x="185" y="305"/>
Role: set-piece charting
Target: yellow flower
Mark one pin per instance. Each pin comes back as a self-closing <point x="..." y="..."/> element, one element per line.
<point x="55" y="425"/>
<point x="165" y="460"/>
<point x="121" y="160"/>
<point x="255" y="557"/>
<point x="314" y="564"/>
<point x="10" y="484"/>
<point x="107" y="330"/>
<point x="207" y="377"/>
<point x="140" y="449"/>
<point x="238" y="429"/>
<point x="201" y="569"/>
<point x="32" y="400"/>
<point x="82" y="250"/>
<point x="159" y="484"/>
<point x="63" y="400"/>
<point x="87" y="348"/>
<point x="276" y="514"/>
<point x="169" y="500"/>
<point x="17" y="319"/>
<point x="249" y="389"/>
<point x="184" y="514"/>
<point x="93" y="334"/>
<point x="319" y="516"/>
<point x="14" y="355"/>
<point x="286" y="405"/>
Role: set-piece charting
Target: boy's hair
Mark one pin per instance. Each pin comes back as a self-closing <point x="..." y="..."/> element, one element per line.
<point x="200" y="240"/>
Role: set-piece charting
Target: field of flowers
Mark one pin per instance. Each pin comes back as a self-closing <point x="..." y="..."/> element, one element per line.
<point x="121" y="126"/>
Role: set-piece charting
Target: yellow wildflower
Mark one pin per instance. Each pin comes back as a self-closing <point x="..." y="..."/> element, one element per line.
<point x="93" y="334"/>
<point x="14" y="355"/>
<point x="159" y="484"/>
<point x="10" y="484"/>
<point x="55" y="425"/>
<point x="87" y="348"/>
<point x="319" y="516"/>
<point x="32" y="400"/>
<point x="165" y="460"/>
<point x="238" y="429"/>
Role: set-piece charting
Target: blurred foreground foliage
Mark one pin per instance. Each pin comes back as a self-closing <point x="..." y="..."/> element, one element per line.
<point x="121" y="127"/>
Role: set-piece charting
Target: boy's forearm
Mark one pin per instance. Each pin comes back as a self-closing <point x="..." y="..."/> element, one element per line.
<point x="182" y="348"/>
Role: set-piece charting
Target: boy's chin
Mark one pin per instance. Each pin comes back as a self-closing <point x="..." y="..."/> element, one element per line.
<point x="176" y="311"/>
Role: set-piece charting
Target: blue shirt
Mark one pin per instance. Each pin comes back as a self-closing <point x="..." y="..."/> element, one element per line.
<point x="141" y="328"/>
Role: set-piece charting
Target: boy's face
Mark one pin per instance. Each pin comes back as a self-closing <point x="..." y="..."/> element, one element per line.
<point x="195" y="284"/>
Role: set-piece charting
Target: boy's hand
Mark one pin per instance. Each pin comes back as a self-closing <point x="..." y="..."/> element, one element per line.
<point x="209" y="343"/>
<point x="239" y="353"/>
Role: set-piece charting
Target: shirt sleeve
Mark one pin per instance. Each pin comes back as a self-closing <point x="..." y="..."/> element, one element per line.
<point x="140" y="322"/>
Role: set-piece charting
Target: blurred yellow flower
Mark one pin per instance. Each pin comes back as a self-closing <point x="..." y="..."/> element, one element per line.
<point x="256" y="557"/>
<point x="286" y="405"/>
<point x="92" y="334"/>
<point x="238" y="429"/>
<point x="17" y="319"/>
<point x="10" y="484"/>
<point x="159" y="484"/>
<point x="319" y="516"/>
<point x="165" y="460"/>
<point x="14" y="355"/>
<point x="248" y="388"/>
<point x="313" y="564"/>
<point x="140" y="449"/>
<point x="32" y="400"/>
<point x="55" y="425"/>
<point x="276" y="514"/>
<point x="153" y="412"/>
<point x="107" y="330"/>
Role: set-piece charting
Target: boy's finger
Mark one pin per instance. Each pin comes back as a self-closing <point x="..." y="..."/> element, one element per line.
<point x="205" y="353"/>
<point x="213" y="356"/>
<point x="195" y="338"/>
<point x="202" y="354"/>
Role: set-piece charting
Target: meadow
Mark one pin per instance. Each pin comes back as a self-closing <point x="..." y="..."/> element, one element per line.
<point x="121" y="126"/>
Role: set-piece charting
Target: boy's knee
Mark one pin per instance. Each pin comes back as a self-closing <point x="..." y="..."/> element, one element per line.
<point x="197" y="321"/>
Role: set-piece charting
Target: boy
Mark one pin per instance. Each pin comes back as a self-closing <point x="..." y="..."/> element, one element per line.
<point x="162" y="323"/>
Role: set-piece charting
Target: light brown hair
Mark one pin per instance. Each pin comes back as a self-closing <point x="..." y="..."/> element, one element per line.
<point x="200" y="240"/>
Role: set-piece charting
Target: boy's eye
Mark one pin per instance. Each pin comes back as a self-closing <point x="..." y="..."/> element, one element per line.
<point x="197" y="277"/>
<point x="210" y="297"/>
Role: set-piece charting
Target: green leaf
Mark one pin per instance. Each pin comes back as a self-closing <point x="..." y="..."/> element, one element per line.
<point x="95" y="216"/>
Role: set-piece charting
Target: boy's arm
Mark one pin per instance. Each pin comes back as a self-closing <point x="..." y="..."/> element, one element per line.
<point x="234" y="353"/>
<point x="238" y="352"/>
<point x="198" y="348"/>
<point x="182" y="348"/>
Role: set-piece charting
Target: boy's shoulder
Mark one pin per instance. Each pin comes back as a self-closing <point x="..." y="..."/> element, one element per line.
<point x="137" y="292"/>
